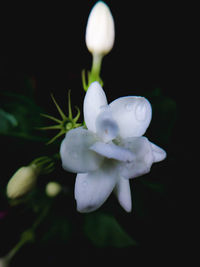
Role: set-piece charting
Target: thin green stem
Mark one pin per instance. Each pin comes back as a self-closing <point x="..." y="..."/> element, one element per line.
<point x="96" y="67"/>
<point x="69" y="105"/>
<point x="40" y="218"/>
<point x="27" y="236"/>
<point x="85" y="87"/>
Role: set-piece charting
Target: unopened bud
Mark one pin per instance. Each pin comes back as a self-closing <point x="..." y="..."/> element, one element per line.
<point x="4" y="262"/>
<point x="53" y="189"/>
<point x="22" y="181"/>
<point x="100" y="31"/>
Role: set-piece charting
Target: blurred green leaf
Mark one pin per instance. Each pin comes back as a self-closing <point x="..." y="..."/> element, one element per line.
<point x="57" y="229"/>
<point x="7" y="121"/>
<point x="104" y="231"/>
<point x="19" y="116"/>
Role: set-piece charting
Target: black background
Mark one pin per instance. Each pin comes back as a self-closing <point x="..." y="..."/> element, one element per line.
<point x="46" y="42"/>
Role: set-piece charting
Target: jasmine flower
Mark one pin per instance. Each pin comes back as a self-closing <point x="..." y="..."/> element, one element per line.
<point x="111" y="150"/>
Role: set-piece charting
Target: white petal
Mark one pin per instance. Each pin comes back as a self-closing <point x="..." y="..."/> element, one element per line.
<point x="113" y="151"/>
<point x="106" y="127"/>
<point x="132" y="114"/>
<point x="144" y="158"/>
<point x="75" y="153"/>
<point x="158" y="153"/>
<point x="123" y="193"/>
<point x="95" y="98"/>
<point x="92" y="189"/>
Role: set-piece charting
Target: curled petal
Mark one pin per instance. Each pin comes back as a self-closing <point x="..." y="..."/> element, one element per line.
<point x="75" y="153"/>
<point x="106" y="127"/>
<point x="112" y="151"/>
<point x="92" y="189"/>
<point x="95" y="98"/>
<point x="144" y="158"/>
<point x="123" y="193"/>
<point x="158" y="153"/>
<point x="132" y="114"/>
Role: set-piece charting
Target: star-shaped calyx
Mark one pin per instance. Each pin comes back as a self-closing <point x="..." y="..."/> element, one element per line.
<point x="64" y="124"/>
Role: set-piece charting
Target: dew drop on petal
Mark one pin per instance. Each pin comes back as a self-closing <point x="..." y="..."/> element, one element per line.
<point x="74" y="155"/>
<point x="84" y="184"/>
<point x="140" y="111"/>
<point x="129" y="107"/>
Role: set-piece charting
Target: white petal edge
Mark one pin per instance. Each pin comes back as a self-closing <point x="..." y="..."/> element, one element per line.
<point x="159" y="154"/>
<point x="92" y="189"/>
<point x="143" y="161"/>
<point x="94" y="100"/>
<point x="132" y="114"/>
<point x="75" y="153"/>
<point x="123" y="194"/>
<point x="112" y="151"/>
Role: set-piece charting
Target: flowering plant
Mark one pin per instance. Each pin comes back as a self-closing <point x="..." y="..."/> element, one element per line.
<point x="105" y="150"/>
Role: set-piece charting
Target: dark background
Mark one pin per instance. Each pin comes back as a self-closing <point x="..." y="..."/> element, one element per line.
<point x="46" y="44"/>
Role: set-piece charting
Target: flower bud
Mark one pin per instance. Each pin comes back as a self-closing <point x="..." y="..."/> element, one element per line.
<point x="22" y="181"/>
<point x="53" y="189"/>
<point x="100" y="31"/>
<point x="4" y="262"/>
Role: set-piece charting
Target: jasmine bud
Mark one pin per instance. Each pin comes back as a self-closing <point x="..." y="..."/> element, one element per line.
<point x="22" y="181"/>
<point x="100" y="32"/>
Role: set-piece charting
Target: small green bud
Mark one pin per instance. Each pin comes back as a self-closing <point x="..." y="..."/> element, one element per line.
<point x="22" y="181"/>
<point x="53" y="189"/>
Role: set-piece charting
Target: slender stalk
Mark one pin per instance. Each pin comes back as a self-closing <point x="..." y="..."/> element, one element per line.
<point x="96" y="68"/>
<point x="27" y="236"/>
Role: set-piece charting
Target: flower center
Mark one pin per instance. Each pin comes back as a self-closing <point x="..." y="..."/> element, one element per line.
<point x="69" y="126"/>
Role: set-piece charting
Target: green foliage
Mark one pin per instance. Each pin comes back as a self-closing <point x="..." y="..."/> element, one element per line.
<point x="57" y="229"/>
<point x="103" y="230"/>
<point x="7" y="121"/>
<point x="19" y="116"/>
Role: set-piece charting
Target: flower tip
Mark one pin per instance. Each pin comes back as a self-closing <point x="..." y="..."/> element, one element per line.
<point x="100" y="32"/>
<point x="143" y="107"/>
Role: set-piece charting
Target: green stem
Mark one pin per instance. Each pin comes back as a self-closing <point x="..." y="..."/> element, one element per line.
<point x="24" y="239"/>
<point x="28" y="235"/>
<point x="96" y="68"/>
<point x="40" y="218"/>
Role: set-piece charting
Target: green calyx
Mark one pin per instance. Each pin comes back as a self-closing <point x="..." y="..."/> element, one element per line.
<point x="43" y="165"/>
<point x="66" y="123"/>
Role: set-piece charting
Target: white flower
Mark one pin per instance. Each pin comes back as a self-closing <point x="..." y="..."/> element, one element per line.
<point x="111" y="150"/>
<point x="100" y="32"/>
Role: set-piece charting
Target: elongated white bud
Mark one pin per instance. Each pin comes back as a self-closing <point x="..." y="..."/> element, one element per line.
<point x="100" y="31"/>
<point x="22" y="181"/>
